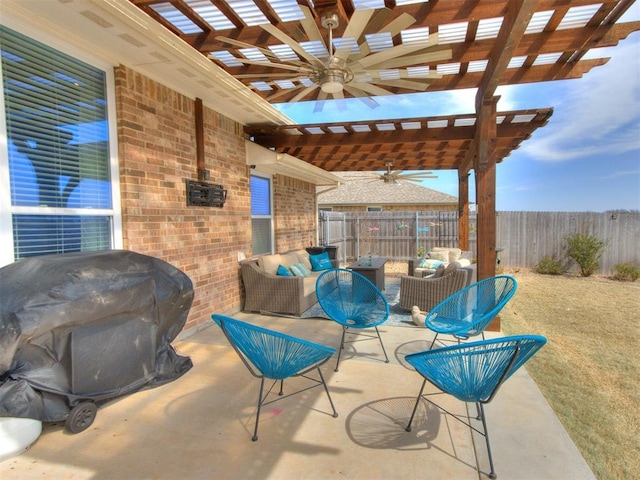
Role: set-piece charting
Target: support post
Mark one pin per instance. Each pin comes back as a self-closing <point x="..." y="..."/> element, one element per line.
<point x="463" y="210"/>
<point x="485" y="169"/>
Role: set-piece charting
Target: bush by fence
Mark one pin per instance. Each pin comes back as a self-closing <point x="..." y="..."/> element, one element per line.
<point x="524" y="237"/>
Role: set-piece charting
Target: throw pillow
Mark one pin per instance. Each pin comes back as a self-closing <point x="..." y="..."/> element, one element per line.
<point x="439" y="271"/>
<point x="452" y="267"/>
<point x="430" y="263"/>
<point x="283" y="271"/>
<point x="299" y="270"/>
<point x="320" y="262"/>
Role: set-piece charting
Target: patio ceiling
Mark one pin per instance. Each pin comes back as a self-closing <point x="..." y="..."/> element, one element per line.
<point x="403" y="47"/>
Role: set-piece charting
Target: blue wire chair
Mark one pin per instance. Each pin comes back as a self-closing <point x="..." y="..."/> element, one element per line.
<point x="473" y="372"/>
<point x="351" y="300"/>
<point x="276" y="356"/>
<point x="469" y="311"/>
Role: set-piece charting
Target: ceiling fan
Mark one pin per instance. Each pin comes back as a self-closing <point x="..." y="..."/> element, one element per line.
<point x="352" y="65"/>
<point x="394" y="176"/>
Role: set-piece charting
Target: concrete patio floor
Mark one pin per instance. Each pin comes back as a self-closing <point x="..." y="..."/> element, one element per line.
<point x="200" y="426"/>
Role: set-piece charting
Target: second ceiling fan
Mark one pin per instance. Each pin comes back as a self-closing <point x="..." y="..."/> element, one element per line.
<point x="354" y="65"/>
<point x="393" y="176"/>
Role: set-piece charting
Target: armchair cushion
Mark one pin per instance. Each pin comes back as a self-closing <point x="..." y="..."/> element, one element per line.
<point x="452" y="253"/>
<point x="439" y="255"/>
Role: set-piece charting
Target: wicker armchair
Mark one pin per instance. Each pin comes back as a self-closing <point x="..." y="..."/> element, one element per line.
<point x="427" y="292"/>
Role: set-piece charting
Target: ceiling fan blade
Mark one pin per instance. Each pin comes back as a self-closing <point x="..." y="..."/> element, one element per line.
<point x="382" y="57"/>
<point x="355" y="27"/>
<point x="418" y="176"/>
<point x="295" y="46"/>
<point x="435" y="55"/>
<point x="284" y="76"/>
<point x="310" y="27"/>
<point x="394" y="27"/>
<point x="402" y="22"/>
<point x="284" y="91"/>
<point x="306" y="91"/>
<point x="369" y="88"/>
<point x="284" y="66"/>
<point x="319" y="104"/>
<point x="372" y="75"/>
<point x="406" y="84"/>
<point x="362" y="96"/>
<point x="237" y="43"/>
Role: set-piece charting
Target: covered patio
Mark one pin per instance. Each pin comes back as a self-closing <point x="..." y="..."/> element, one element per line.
<point x="286" y="54"/>
<point x="200" y="426"/>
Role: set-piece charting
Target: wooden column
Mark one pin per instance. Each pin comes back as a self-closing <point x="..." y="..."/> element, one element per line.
<point x="485" y="169"/>
<point x="463" y="210"/>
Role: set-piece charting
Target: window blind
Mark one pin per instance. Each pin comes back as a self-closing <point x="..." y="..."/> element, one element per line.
<point x="58" y="146"/>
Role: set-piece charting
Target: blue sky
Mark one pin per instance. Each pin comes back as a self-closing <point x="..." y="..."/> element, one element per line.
<point x="587" y="158"/>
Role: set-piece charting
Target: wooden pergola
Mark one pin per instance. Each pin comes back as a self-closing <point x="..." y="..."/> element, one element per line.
<point x="482" y="44"/>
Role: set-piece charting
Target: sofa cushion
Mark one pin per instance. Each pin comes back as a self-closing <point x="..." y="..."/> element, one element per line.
<point x="303" y="258"/>
<point x="320" y="262"/>
<point x="289" y="258"/>
<point x="283" y="271"/>
<point x="269" y="263"/>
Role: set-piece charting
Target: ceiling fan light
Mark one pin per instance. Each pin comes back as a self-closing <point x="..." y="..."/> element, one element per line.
<point x="333" y="82"/>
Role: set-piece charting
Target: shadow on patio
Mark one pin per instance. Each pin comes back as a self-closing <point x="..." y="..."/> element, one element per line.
<point x="200" y="426"/>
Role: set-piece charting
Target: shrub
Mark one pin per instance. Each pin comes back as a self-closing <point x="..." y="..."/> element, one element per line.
<point x="626" y="272"/>
<point x="549" y="266"/>
<point x="586" y="250"/>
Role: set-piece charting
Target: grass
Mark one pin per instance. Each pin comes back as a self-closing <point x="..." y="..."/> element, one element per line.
<point x="588" y="371"/>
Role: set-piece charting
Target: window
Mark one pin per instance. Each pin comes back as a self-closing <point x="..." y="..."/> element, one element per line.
<point x="261" y="215"/>
<point x="374" y="209"/>
<point x="56" y="165"/>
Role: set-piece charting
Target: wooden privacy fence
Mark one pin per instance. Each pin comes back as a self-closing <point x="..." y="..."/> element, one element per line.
<point x="523" y="237"/>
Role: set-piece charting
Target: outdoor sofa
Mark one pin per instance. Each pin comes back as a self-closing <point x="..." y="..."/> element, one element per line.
<point x="268" y="292"/>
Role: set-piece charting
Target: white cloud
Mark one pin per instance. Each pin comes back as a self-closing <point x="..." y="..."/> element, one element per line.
<point x="626" y="173"/>
<point x="597" y="114"/>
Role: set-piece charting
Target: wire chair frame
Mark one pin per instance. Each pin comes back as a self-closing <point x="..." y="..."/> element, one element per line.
<point x="268" y="354"/>
<point x="353" y="301"/>
<point x="473" y="373"/>
<point x="469" y="311"/>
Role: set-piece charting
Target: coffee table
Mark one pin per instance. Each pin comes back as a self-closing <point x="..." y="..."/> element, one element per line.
<point x="372" y="270"/>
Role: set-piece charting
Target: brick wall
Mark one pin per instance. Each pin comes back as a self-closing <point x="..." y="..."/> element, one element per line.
<point x="156" y="141"/>
<point x="294" y="213"/>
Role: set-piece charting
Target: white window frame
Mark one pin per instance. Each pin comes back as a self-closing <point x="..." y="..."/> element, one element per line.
<point x="6" y="209"/>
<point x="269" y="177"/>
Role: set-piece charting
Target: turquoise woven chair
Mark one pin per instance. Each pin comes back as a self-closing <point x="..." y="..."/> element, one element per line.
<point x="276" y="356"/>
<point x="473" y="372"/>
<point x="469" y="311"/>
<point x="354" y="302"/>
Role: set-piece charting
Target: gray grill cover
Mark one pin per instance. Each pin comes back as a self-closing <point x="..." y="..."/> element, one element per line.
<point x="87" y="326"/>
